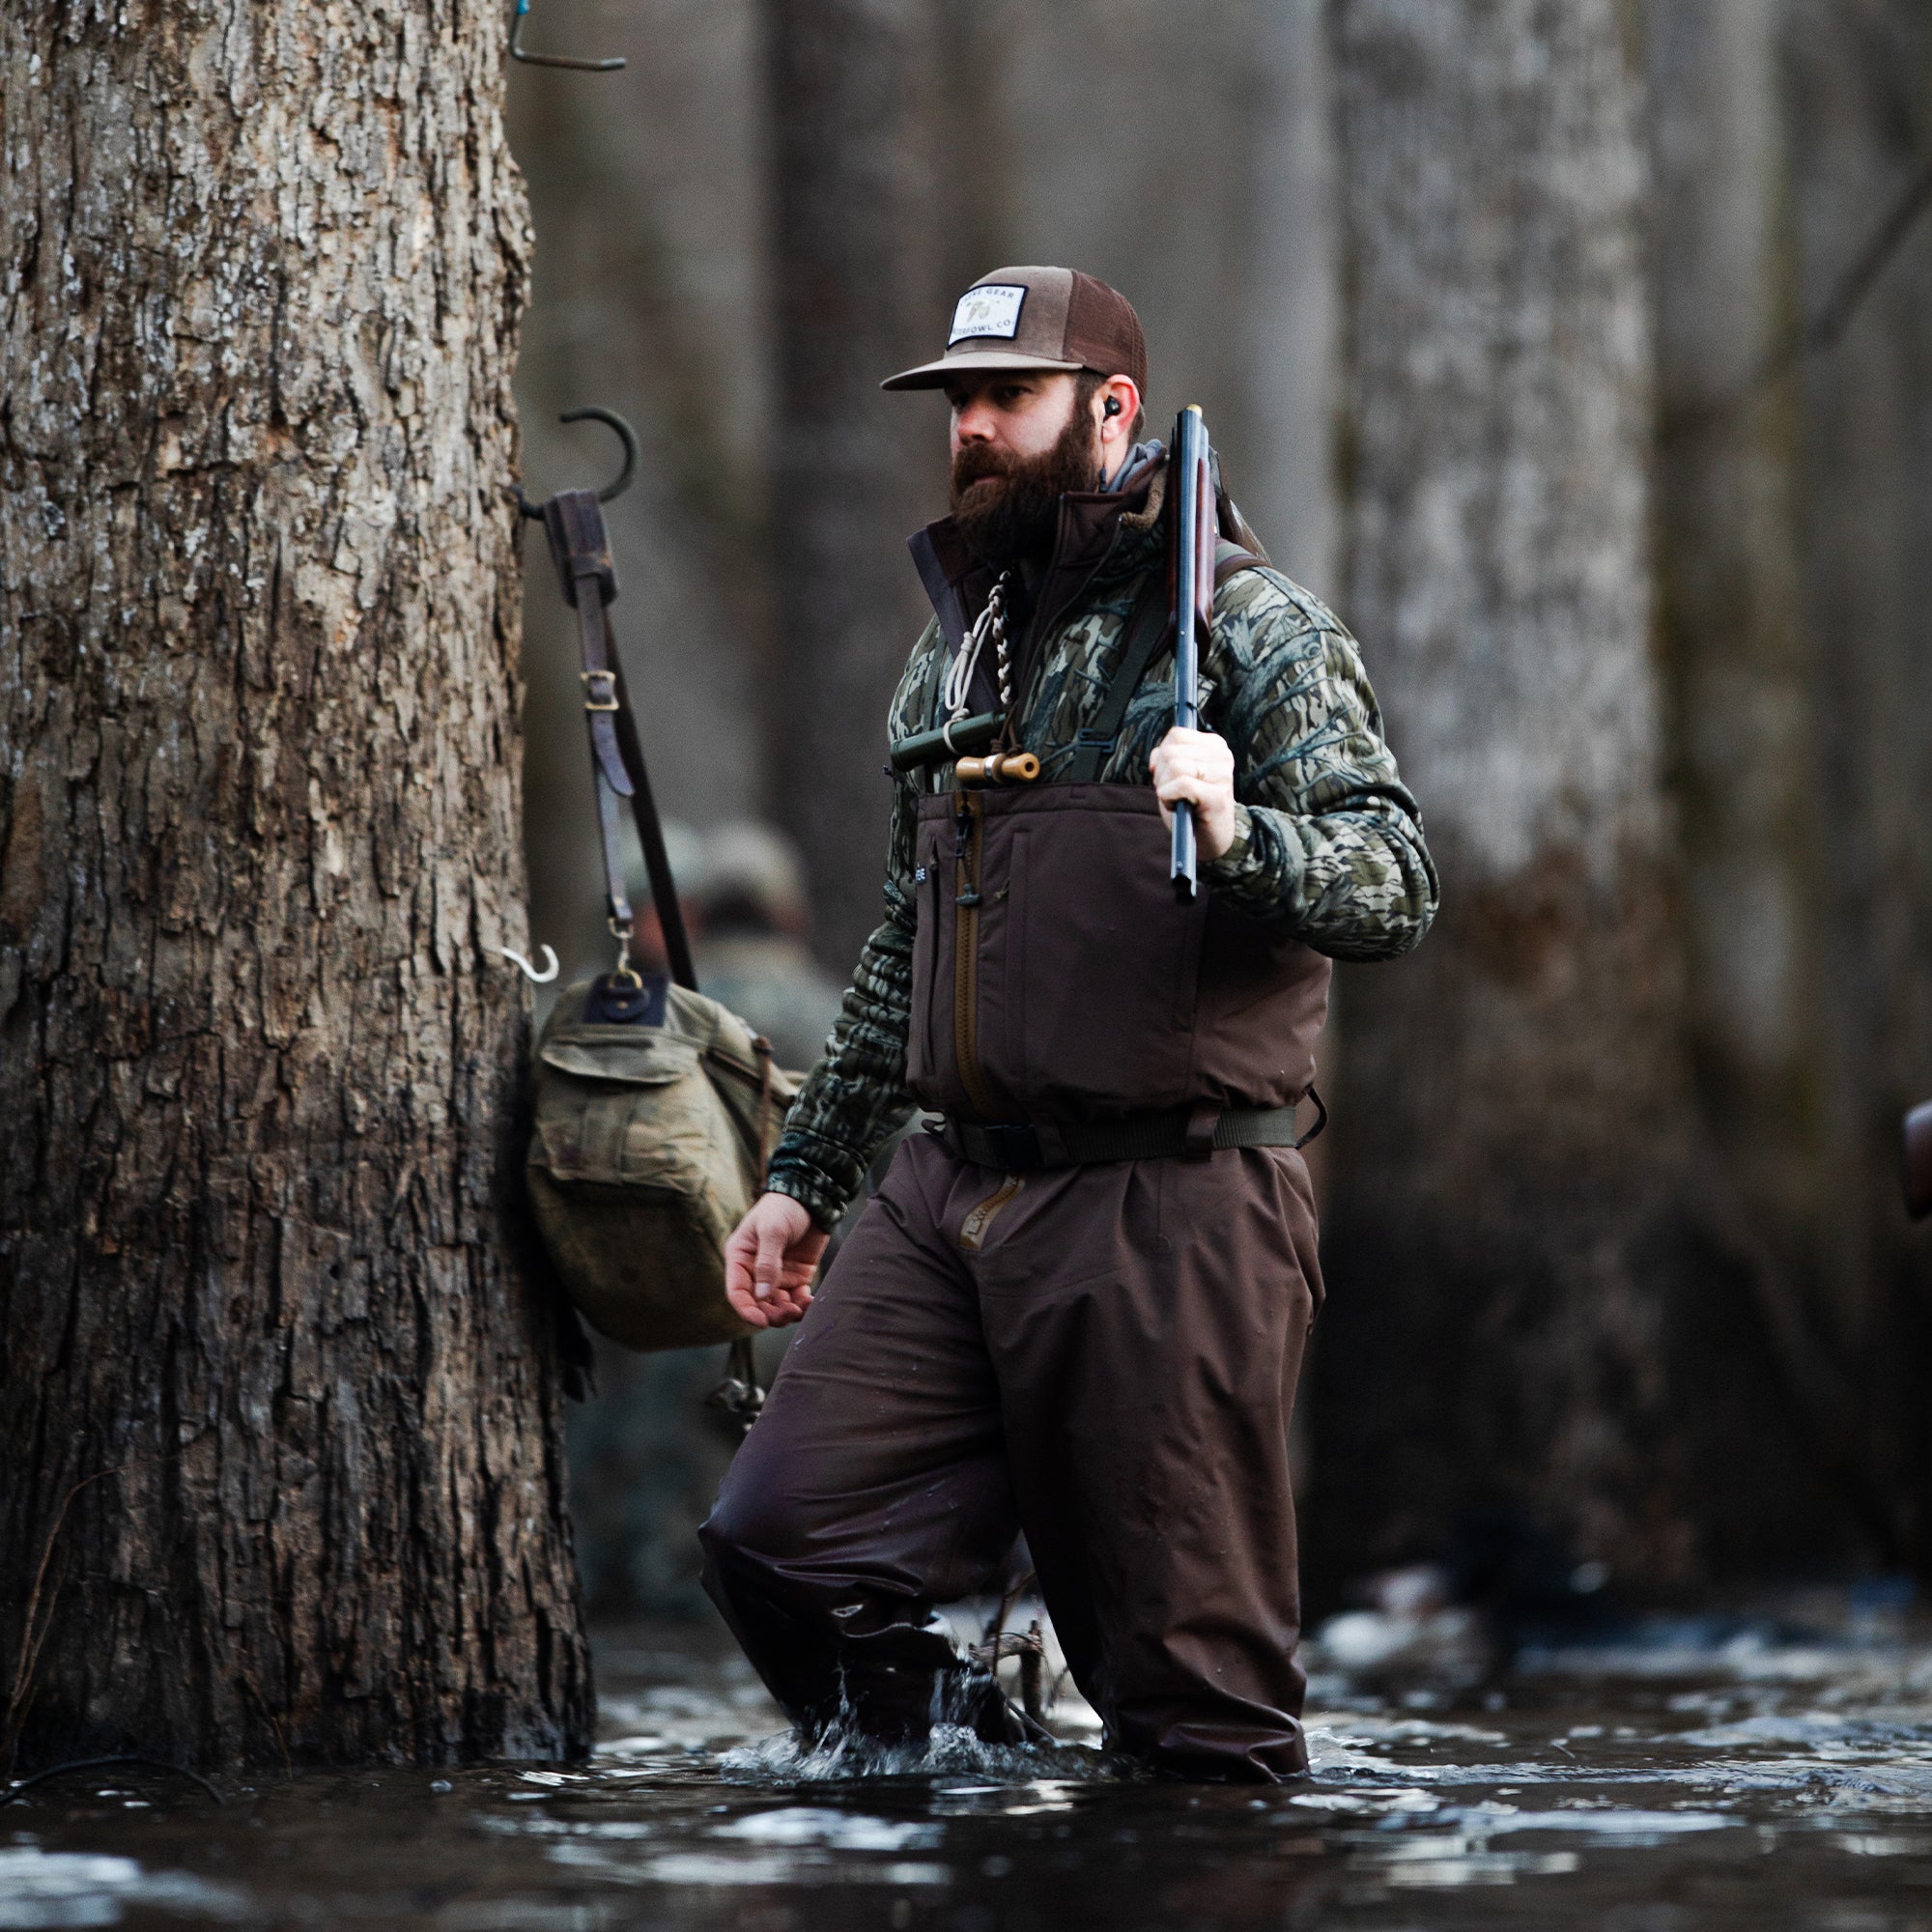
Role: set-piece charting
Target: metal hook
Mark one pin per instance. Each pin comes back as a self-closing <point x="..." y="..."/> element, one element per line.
<point x="530" y="971"/>
<point x="626" y="434"/>
<point x="553" y="60"/>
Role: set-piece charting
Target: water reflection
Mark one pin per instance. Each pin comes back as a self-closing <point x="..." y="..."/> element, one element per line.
<point x="1746" y="1776"/>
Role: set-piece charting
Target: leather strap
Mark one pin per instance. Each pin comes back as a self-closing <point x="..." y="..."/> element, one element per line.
<point x="1149" y="626"/>
<point x="579" y="546"/>
<point x="1179" y="1133"/>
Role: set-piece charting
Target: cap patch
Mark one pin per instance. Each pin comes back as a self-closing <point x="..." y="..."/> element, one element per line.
<point x="992" y="309"/>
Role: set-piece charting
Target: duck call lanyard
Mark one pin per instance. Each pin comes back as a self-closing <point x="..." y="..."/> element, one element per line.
<point x="957" y="695"/>
<point x="579" y="546"/>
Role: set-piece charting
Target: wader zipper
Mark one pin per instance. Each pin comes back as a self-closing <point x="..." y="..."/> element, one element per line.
<point x="969" y="838"/>
<point x="973" y="1229"/>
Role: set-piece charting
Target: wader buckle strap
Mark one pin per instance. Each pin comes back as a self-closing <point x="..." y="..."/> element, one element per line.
<point x="1177" y="1133"/>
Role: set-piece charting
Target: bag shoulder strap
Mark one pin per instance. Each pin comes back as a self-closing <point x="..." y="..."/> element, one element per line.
<point x="1149" y="626"/>
<point x="579" y="546"/>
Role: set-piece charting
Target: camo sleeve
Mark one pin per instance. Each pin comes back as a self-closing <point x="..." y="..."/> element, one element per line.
<point x="1326" y="834"/>
<point x="855" y="1097"/>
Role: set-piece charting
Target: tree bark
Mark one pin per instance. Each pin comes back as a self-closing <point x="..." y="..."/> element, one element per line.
<point x="854" y="472"/>
<point x="1736" y="648"/>
<point x="1739" y="666"/>
<point x="1859" y="111"/>
<point x="1519" y="1264"/>
<point x="1289" y="308"/>
<point x="281" y="1422"/>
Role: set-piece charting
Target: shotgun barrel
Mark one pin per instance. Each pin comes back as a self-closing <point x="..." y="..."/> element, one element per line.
<point x="1192" y="551"/>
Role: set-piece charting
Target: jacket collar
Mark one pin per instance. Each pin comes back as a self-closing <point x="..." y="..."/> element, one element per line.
<point x="1103" y="534"/>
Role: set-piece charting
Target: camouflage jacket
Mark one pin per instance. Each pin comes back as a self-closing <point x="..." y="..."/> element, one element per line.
<point x="1326" y="837"/>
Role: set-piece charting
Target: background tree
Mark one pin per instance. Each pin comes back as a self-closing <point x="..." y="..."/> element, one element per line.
<point x="276" y="1410"/>
<point x="1526" y="1266"/>
<point x="855" y="290"/>
<point x="1856" y="104"/>
<point x="1748" y="759"/>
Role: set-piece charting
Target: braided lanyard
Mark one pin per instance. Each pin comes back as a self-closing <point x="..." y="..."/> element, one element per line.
<point x="991" y="622"/>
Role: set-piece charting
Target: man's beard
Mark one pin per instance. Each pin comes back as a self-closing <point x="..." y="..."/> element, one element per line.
<point x="1017" y="516"/>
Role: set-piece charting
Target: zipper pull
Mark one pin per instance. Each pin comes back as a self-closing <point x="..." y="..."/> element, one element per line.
<point x="962" y="846"/>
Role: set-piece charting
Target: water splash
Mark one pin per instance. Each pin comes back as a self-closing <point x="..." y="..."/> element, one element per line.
<point x="949" y="1750"/>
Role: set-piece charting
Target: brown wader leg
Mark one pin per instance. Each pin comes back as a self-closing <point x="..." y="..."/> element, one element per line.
<point x="873" y="1485"/>
<point x="1115" y="1368"/>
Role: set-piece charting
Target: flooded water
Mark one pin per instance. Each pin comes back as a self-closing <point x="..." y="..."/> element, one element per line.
<point x="1756" y="1775"/>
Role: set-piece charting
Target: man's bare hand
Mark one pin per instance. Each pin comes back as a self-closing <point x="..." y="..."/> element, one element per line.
<point x="1199" y="767"/>
<point x="770" y="1260"/>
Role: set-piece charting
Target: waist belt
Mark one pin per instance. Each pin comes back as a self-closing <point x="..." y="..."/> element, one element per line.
<point x="1184" y="1133"/>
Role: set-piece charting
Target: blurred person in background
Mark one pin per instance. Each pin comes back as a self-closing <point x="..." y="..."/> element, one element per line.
<point x="750" y="924"/>
<point x="1078" y="1308"/>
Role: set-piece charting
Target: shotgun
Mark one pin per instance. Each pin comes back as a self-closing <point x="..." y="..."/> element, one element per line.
<point x="1191" y="570"/>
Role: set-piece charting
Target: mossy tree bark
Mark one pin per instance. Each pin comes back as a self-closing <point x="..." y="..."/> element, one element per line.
<point x="278" y="1415"/>
<point x="1533" y="1307"/>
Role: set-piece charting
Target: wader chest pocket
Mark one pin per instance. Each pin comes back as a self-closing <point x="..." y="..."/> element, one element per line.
<point x="1084" y="966"/>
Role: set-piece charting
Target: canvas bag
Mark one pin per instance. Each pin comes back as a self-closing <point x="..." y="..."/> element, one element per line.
<point x="649" y="1144"/>
<point x="655" y="1108"/>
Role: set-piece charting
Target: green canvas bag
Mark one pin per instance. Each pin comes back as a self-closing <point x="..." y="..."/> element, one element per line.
<point x="649" y="1144"/>
<point x="656" y="1109"/>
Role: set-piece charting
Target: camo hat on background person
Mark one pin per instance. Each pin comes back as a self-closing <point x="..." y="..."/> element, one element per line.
<point x="748" y="877"/>
<point x="1036" y="319"/>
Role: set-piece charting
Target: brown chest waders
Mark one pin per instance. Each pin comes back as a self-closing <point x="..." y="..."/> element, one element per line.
<point x="1078" y="1313"/>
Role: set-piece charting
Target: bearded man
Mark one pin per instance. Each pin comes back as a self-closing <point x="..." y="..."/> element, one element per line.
<point x="1076" y="1308"/>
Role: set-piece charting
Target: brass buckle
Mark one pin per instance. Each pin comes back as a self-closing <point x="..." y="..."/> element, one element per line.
<point x="605" y="701"/>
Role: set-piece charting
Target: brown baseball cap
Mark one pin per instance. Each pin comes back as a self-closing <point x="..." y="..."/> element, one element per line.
<point x="1036" y="319"/>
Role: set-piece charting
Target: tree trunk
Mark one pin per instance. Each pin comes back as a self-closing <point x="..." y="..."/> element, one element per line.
<point x="281" y="1422"/>
<point x="854" y="472"/>
<point x="1860" y="115"/>
<point x="1735" y="643"/>
<point x="1289" y="313"/>
<point x="1740" y="667"/>
<point x="1519" y="1263"/>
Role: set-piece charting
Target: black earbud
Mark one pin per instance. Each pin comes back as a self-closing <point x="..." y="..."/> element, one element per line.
<point x="1111" y="407"/>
